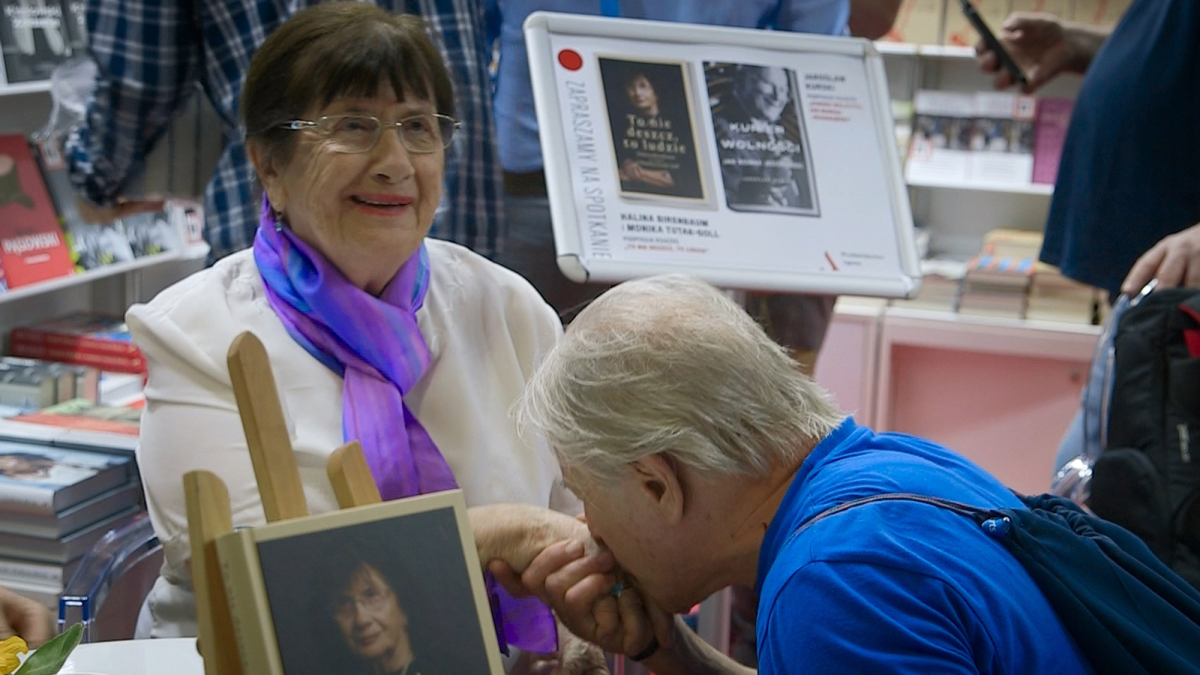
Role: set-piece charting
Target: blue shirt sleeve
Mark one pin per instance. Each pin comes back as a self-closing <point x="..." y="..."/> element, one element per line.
<point x="147" y="53"/>
<point x="826" y="17"/>
<point x="856" y="618"/>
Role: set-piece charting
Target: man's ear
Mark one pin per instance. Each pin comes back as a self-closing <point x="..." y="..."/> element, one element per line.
<point x="268" y="174"/>
<point x="662" y="485"/>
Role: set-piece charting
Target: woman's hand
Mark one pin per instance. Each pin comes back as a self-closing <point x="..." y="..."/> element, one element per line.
<point x="1043" y="46"/>
<point x="22" y="616"/>
<point x="517" y="533"/>
<point x="578" y="586"/>
<point x="1174" y="261"/>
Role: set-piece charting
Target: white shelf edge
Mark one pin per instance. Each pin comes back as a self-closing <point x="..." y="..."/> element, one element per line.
<point x="991" y="321"/>
<point x="947" y="51"/>
<point x="931" y="51"/>
<point x="24" y="88"/>
<point x="193" y="252"/>
<point x="1028" y="189"/>
<point x="896" y="48"/>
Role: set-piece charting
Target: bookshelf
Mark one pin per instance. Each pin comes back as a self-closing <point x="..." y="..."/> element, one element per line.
<point x="24" y="88"/>
<point x="193" y="253"/>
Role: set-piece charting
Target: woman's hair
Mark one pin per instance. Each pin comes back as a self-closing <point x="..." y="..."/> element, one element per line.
<point x="670" y="365"/>
<point x="333" y="50"/>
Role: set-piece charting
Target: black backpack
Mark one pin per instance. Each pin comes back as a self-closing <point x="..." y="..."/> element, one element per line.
<point x="1146" y="474"/>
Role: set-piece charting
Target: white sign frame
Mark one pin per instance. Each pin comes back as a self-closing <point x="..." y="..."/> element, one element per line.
<point x="890" y="269"/>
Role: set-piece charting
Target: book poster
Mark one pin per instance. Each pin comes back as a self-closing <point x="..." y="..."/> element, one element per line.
<point x="650" y="116"/>
<point x="34" y="39"/>
<point x="390" y="595"/>
<point x="761" y="141"/>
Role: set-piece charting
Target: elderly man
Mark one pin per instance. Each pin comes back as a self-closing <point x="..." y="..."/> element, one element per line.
<point x="699" y="451"/>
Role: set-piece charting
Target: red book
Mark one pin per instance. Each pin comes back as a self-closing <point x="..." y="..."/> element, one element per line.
<point x="88" y="339"/>
<point x="31" y="242"/>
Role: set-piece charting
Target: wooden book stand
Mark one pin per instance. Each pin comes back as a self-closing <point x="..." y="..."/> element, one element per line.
<point x="278" y="480"/>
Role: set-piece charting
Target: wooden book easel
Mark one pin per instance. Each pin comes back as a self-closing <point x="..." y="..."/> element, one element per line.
<point x="278" y="480"/>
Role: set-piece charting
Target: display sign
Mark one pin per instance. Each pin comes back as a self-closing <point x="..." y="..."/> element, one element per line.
<point x="753" y="159"/>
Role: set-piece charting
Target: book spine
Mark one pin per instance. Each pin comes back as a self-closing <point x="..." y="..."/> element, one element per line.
<point x="88" y="343"/>
<point x="31" y="573"/>
<point x="128" y="363"/>
<point x="26" y="500"/>
<point x="249" y="607"/>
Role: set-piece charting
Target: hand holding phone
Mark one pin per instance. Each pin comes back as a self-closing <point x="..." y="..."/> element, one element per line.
<point x="993" y="43"/>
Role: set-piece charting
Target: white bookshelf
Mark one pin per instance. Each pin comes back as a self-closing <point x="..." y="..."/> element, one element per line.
<point x="192" y="253"/>
<point x="24" y="88"/>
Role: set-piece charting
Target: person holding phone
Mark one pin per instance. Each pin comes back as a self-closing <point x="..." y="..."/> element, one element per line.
<point x="1127" y="197"/>
<point x="1130" y="170"/>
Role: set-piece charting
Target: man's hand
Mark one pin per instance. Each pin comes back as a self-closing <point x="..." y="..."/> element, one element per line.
<point x="1043" y="46"/>
<point x="1174" y="261"/>
<point x="24" y="617"/>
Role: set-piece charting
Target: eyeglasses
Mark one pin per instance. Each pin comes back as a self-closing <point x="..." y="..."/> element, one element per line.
<point x="421" y="134"/>
<point x="373" y="599"/>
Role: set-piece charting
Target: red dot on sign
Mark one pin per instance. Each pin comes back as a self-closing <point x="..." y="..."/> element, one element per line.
<point x="570" y="59"/>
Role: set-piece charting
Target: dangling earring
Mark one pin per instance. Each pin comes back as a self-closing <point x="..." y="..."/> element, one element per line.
<point x="280" y="219"/>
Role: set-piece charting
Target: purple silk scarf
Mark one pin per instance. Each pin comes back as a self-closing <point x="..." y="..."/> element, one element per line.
<point x="374" y="343"/>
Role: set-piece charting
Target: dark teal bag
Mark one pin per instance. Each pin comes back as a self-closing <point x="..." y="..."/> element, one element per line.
<point x="1127" y="611"/>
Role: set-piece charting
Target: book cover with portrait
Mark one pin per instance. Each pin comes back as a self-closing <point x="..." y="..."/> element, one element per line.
<point x="41" y="480"/>
<point x="761" y="140"/>
<point x="395" y="587"/>
<point x="653" y="130"/>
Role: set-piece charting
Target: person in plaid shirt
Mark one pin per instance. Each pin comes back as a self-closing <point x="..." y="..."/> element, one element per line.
<point x="152" y="53"/>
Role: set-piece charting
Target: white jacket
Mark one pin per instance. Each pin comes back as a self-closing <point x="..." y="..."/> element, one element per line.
<point x="486" y="327"/>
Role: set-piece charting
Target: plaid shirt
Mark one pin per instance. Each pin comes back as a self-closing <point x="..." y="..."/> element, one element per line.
<point x="151" y="53"/>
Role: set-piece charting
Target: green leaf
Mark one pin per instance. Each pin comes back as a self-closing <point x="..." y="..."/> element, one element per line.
<point x="50" y="657"/>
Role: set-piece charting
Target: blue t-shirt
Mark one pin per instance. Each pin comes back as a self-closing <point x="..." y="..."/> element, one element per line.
<point x="898" y="587"/>
<point x="516" y="121"/>
<point x="1130" y="171"/>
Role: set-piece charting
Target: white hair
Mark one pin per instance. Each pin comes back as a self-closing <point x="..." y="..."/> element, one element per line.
<point x="669" y="365"/>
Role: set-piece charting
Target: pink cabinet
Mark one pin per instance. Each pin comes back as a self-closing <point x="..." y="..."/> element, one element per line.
<point x="999" y="391"/>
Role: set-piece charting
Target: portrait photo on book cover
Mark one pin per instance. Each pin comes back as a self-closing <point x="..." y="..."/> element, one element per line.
<point x="762" y="144"/>
<point x="52" y="468"/>
<point x="650" y="114"/>
<point x="385" y="596"/>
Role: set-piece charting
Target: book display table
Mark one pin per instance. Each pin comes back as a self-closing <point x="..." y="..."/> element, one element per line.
<point x="177" y="656"/>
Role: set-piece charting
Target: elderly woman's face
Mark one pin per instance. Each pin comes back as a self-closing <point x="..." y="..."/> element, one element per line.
<point x="356" y="207"/>
<point x="370" y="619"/>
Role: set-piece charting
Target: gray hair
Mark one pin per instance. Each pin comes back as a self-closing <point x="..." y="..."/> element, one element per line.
<point x="669" y="365"/>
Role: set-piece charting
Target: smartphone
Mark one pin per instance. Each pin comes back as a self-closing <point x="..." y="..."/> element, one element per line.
<point x="994" y="44"/>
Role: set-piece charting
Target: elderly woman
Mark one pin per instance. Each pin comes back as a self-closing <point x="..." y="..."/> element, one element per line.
<point x="416" y="347"/>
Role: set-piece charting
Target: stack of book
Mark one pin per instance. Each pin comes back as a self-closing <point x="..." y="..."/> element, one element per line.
<point x="941" y="280"/>
<point x="1053" y="297"/>
<point x="998" y="279"/>
<point x="86" y="339"/>
<point x="31" y="384"/>
<point x="55" y="503"/>
<point x="996" y="286"/>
